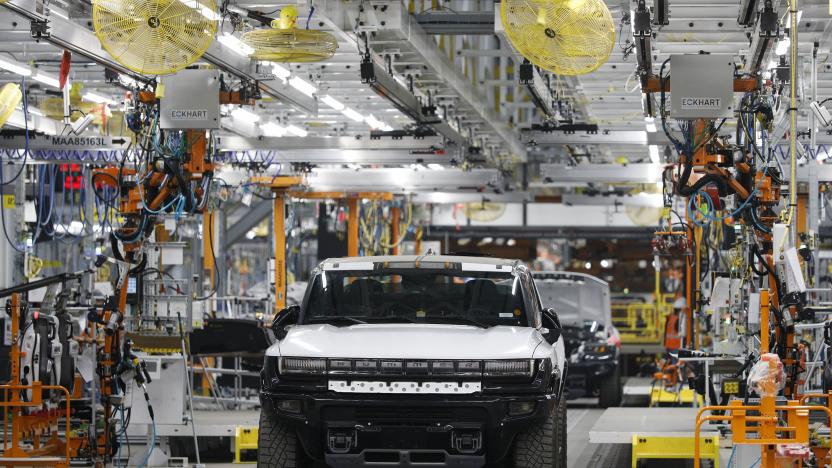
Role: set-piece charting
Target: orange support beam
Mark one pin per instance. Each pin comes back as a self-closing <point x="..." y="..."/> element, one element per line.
<point x="394" y="229"/>
<point x="352" y="227"/>
<point x="208" y="238"/>
<point x="279" y="233"/>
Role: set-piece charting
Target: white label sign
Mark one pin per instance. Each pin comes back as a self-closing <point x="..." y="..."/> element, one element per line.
<point x="188" y="114"/>
<point x="701" y="103"/>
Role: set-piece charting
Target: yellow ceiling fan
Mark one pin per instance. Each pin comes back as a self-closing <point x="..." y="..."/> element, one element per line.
<point x="566" y="37"/>
<point x="155" y="37"/>
<point x="284" y="42"/>
<point x="10" y="97"/>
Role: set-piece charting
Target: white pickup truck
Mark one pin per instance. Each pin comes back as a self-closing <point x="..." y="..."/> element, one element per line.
<point x="406" y="360"/>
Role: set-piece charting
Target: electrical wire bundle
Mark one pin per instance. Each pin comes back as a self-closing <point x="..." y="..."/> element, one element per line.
<point x="375" y="237"/>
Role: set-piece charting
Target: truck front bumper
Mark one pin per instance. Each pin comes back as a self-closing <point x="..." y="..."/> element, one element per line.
<point x="585" y="376"/>
<point x="393" y="430"/>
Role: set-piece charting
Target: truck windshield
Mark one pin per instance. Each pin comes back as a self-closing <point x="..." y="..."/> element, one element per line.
<point x="345" y="298"/>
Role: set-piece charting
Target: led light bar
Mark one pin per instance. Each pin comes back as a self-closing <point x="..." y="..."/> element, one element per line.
<point x="508" y="368"/>
<point x="302" y="366"/>
<point x="409" y="368"/>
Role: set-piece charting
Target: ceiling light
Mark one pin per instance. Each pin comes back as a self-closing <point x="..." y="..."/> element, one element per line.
<point x="280" y="71"/>
<point x="235" y="44"/>
<point x="302" y="86"/>
<point x="15" y="67"/>
<point x="245" y="115"/>
<point x="353" y="114"/>
<point x="386" y="128"/>
<point x="46" y="79"/>
<point x="374" y="123"/>
<point x="783" y="46"/>
<point x="772" y="64"/>
<point x="588" y="265"/>
<point x="271" y="129"/>
<point x="654" y="154"/>
<point x="436" y="166"/>
<point x="650" y="124"/>
<point x="97" y="98"/>
<point x="296" y="131"/>
<point x="332" y="102"/>
<point x="128" y="81"/>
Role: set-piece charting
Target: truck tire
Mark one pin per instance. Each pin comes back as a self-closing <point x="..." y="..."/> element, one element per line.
<point x="543" y="444"/>
<point x="277" y="444"/>
<point x="609" y="392"/>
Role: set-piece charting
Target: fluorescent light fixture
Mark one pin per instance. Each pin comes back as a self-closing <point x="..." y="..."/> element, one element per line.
<point x="272" y="129"/>
<point x="296" y="131"/>
<point x="302" y="86"/>
<point x="97" y="98"/>
<point x="332" y="102"/>
<point x="436" y="167"/>
<point x="15" y="67"/>
<point x="772" y="64"/>
<point x="232" y="42"/>
<point x="128" y="81"/>
<point x="374" y="123"/>
<point x="353" y="114"/>
<point x="245" y="115"/>
<point x="650" y="124"/>
<point x="281" y="72"/>
<point x="41" y="77"/>
<point x="654" y="154"/>
<point x="783" y="46"/>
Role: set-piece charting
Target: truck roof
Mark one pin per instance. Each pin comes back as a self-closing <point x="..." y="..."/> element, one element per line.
<point x="484" y="261"/>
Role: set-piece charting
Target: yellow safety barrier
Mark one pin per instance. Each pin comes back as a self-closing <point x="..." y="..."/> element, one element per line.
<point x="245" y="444"/>
<point x="642" y="322"/>
<point x="646" y="447"/>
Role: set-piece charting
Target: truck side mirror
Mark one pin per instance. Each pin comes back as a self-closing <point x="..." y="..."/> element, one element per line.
<point x="284" y="318"/>
<point x="551" y="324"/>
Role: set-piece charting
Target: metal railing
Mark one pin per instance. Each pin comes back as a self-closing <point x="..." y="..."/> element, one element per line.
<point x="641" y="322"/>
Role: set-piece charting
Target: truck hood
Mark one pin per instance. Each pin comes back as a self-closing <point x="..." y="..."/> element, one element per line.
<point x="410" y="341"/>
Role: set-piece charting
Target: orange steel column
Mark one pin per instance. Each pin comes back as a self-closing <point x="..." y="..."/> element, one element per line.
<point x="279" y="233"/>
<point x="352" y="227"/>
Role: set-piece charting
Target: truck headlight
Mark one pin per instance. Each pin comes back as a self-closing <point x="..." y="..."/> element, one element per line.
<point x="290" y="365"/>
<point x="508" y="368"/>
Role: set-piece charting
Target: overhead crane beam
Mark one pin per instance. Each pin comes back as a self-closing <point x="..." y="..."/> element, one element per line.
<point x="397" y="25"/>
<point x="285" y="187"/>
<point x="76" y="38"/>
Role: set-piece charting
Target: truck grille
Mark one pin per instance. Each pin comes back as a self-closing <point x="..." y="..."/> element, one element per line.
<point x="403" y="415"/>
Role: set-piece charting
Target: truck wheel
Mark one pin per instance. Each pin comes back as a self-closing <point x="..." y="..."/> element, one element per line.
<point x="609" y="394"/>
<point x="543" y="444"/>
<point x="277" y="444"/>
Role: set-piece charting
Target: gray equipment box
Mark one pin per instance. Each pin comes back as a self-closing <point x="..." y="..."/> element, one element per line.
<point x="701" y="86"/>
<point x="191" y="100"/>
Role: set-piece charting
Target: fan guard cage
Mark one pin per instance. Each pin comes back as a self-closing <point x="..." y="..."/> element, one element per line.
<point x="290" y="45"/>
<point x="155" y="37"/>
<point x="10" y="97"/>
<point x="566" y="37"/>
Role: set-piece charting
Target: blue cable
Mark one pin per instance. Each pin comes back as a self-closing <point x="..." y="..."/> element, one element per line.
<point x="756" y="462"/>
<point x="731" y="459"/>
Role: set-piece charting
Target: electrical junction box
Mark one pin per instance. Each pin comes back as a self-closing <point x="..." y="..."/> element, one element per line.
<point x="191" y="100"/>
<point x="701" y="86"/>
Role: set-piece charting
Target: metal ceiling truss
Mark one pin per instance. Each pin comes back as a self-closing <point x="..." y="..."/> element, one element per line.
<point x="402" y="180"/>
<point x="74" y="37"/>
<point x="392" y="26"/>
